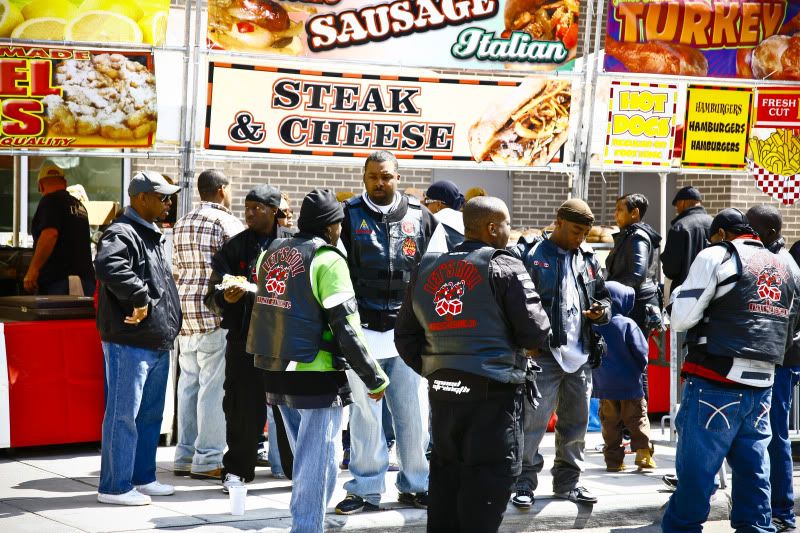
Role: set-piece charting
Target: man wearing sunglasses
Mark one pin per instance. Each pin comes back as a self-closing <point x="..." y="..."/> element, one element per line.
<point x="138" y="316"/>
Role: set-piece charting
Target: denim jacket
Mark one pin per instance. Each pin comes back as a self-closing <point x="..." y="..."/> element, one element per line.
<point x="541" y="259"/>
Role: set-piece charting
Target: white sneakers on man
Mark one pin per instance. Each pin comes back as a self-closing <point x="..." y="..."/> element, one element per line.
<point x="132" y="497"/>
<point x="155" y="488"/>
<point x="231" y="480"/>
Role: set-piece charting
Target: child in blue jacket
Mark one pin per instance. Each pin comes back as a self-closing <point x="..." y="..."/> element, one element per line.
<point x="618" y="383"/>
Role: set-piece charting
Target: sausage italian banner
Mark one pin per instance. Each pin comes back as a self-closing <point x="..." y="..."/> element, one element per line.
<point x="506" y="122"/>
<point x="75" y="98"/>
<point x="752" y="39"/>
<point x="473" y="34"/>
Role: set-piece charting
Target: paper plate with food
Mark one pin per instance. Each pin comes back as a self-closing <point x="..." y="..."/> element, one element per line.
<point x="229" y="282"/>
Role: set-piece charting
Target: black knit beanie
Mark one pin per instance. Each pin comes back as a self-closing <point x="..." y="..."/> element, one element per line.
<point x="320" y="209"/>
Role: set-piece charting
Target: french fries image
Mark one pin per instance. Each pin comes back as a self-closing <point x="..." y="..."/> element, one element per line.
<point x="779" y="153"/>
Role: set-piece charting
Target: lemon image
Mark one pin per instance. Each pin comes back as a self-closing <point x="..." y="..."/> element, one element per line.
<point x="62" y="9"/>
<point x="10" y="18"/>
<point x="105" y="27"/>
<point x="128" y="8"/>
<point x="42" y="29"/>
<point x="154" y="28"/>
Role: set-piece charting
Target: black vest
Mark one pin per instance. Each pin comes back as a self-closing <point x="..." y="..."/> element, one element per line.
<point x="287" y="321"/>
<point x="465" y="329"/>
<point x="381" y="257"/>
<point x="752" y="320"/>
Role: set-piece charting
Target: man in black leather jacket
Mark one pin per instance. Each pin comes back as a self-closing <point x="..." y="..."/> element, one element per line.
<point x="574" y="296"/>
<point x="244" y="401"/>
<point x="687" y="237"/>
<point x="634" y="259"/>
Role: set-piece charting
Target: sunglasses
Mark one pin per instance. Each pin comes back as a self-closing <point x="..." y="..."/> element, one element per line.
<point x="164" y="198"/>
<point x="429" y="201"/>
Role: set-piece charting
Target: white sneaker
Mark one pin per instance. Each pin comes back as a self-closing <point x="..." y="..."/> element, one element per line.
<point x="156" y="489"/>
<point x="132" y="497"/>
<point x="231" y="480"/>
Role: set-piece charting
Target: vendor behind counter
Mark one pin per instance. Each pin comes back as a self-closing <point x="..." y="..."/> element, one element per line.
<point x="61" y="242"/>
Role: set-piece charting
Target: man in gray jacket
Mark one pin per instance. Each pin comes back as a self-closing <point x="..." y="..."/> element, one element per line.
<point x="138" y="316"/>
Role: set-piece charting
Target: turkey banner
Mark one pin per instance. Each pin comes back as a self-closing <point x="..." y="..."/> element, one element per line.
<point x="752" y="39"/>
<point x="469" y="34"/>
<point x="417" y="115"/>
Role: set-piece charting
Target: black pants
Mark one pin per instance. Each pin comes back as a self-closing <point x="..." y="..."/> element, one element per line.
<point x="477" y="453"/>
<point x="244" y="405"/>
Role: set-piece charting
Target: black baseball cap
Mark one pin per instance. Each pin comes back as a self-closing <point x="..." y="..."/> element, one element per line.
<point x="150" y="181"/>
<point x="731" y="220"/>
<point x="268" y="195"/>
<point x="687" y="193"/>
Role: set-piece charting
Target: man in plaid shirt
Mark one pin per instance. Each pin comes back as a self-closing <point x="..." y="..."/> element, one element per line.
<point x="201" y="422"/>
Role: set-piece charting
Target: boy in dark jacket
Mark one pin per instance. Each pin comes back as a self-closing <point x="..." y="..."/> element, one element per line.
<point x="618" y="383"/>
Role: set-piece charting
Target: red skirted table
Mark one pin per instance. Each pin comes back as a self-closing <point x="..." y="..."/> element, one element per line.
<point x="53" y="391"/>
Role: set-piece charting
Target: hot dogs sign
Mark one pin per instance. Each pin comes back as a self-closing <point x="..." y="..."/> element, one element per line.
<point x="478" y="34"/>
<point x="753" y="39"/>
<point x="515" y="122"/>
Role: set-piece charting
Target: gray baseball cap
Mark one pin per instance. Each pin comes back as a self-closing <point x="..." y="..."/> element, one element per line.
<point x="150" y="181"/>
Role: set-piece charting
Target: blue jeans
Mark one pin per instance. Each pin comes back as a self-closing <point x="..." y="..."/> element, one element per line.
<point x="369" y="457"/>
<point x="568" y="395"/>
<point x="291" y="421"/>
<point x="780" y="448"/>
<point x="716" y="423"/>
<point x="201" y="421"/>
<point x="136" y="379"/>
<point x="314" y="474"/>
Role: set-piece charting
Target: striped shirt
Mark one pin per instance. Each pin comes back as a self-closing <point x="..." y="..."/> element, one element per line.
<point x="198" y="235"/>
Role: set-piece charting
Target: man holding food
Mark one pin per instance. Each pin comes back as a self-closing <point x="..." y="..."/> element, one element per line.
<point x="231" y="295"/>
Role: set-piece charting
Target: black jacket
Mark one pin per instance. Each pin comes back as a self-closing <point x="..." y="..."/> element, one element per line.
<point x="133" y="272"/>
<point x="687" y="237"/>
<point x="237" y="257"/>
<point x="528" y="325"/>
<point x="634" y="259"/>
<point x="541" y="258"/>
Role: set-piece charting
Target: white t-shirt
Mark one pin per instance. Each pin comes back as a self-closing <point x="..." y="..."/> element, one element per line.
<point x="445" y="217"/>
<point x="570" y="356"/>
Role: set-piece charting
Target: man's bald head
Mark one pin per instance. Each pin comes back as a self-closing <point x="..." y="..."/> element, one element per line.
<point x="486" y="219"/>
<point x="767" y="222"/>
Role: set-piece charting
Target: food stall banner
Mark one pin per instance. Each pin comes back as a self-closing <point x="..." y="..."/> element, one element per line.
<point x="473" y="34"/>
<point x="494" y="121"/>
<point x="94" y="21"/>
<point x="76" y="98"/>
<point x="750" y="39"/>
<point x="716" y="127"/>
<point x="773" y="151"/>
<point x="641" y="124"/>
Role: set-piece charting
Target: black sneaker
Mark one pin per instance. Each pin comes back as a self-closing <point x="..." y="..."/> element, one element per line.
<point x="418" y="500"/>
<point x="782" y="526"/>
<point x="578" y="495"/>
<point x="523" y="499"/>
<point x="353" y="504"/>
<point x="670" y="480"/>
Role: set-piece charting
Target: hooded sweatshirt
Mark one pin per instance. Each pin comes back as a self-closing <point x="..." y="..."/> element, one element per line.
<point x="619" y="377"/>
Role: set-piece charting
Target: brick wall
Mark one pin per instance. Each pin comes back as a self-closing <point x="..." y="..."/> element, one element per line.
<point x="721" y="191"/>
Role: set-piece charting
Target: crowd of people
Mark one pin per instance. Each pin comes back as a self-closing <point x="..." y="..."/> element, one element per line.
<point x="450" y="346"/>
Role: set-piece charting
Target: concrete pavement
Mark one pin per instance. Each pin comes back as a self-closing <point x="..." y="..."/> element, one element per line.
<point x="54" y="490"/>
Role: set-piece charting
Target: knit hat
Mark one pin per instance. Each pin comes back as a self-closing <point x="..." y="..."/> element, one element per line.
<point x="268" y="195"/>
<point x="577" y="211"/>
<point x="446" y="192"/>
<point x="687" y="193"/>
<point x="731" y="220"/>
<point x="320" y="209"/>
